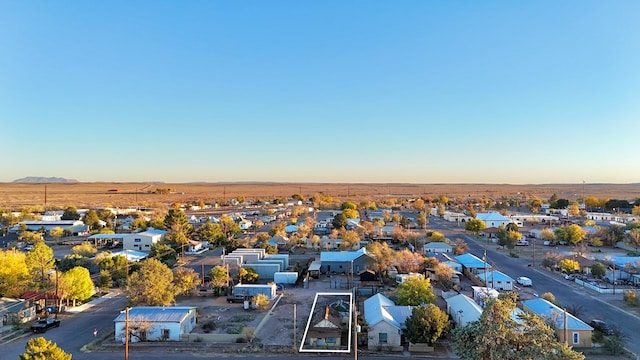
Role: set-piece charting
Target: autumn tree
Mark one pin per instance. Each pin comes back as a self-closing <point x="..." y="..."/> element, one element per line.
<point x="408" y="262"/>
<point x="85" y="249"/>
<point x="426" y="324"/>
<point x="248" y="275"/>
<point x="40" y="348"/>
<point x="633" y="239"/>
<point x="57" y="232"/>
<point x="571" y="234"/>
<point x="381" y="257"/>
<point x="498" y="335"/>
<point x="419" y="205"/>
<point x="569" y="265"/>
<point x="185" y="280"/>
<point x="39" y="261"/>
<point x="422" y="220"/>
<point x="475" y="226"/>
<point x="229" y="227"/>
<point x="14" y="274"/>
<point x="151" y="285"/>
<point x="219" y="276"/>
<point x="415" y="291"/>
<point x="444" y="274"/>
<point x="460" y="247"/>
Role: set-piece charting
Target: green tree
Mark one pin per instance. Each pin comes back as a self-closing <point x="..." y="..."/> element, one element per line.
<point x="80" y="284"/>
<point x="475" y="226"/>
<point x="151" y="285"/>
<point x="229" y="227"/>
<point x="415" y="291"/>
<point x="39" y="261"/>
<point x="598" y="270"/>
<point x="70" y="213"/>
<point x="164" y="253"/>
<point x="92" y="220"/>
<point x="426" y="324"/>
<point x="339" y="221"/>
<point x="185" y="280"/>
<point x="211" y="232"/>
<point x="40" y="348"/>
<point x="177" y="217"/>
<point x="139" y="224"/>
<point x="497" y="335"/>
<point x="14" y="274"/>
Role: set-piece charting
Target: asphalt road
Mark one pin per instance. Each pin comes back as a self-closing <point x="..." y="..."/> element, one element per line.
<point x="594" y="306"/>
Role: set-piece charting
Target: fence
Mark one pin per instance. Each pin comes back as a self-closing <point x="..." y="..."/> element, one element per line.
<point x="211" y="338"/>
<point x="599" y="289"/>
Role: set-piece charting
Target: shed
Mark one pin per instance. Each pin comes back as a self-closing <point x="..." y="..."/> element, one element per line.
<point x="154" y="323"/>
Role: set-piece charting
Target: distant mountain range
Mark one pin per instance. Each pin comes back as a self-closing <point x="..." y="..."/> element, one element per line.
<point x="41" y="179"/>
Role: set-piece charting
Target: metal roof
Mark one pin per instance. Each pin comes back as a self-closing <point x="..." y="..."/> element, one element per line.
<point x="342" y="255"/>
<point x="157" y="314"/>
<point x="380" y="308"/>
<point x="548" y="310"/>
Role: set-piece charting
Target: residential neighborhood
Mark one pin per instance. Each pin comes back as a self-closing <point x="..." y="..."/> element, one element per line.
<point x="373" y="275"/>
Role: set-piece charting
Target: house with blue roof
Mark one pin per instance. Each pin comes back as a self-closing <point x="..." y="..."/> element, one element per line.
<point x="472" y="264"/>
<point x="385" y="322"/>
<point x="496" y="280"/>
<point x="344" y="261"/>
<point x="493" y="219"/>
<point x="577" y="331"/>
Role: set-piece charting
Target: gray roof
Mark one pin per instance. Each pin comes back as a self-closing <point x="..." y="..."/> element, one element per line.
<point x="157" y="313"/>
<point x="380" y="308"/>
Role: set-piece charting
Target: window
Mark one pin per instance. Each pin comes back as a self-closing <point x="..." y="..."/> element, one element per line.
<point x="382" y="338"/>
<point x="576" y="338"/>
<point x="331" y="340"/>
<point x="165" y="333"/>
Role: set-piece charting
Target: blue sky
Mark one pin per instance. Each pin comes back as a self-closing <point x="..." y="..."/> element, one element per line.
<point x="321" y="91"/>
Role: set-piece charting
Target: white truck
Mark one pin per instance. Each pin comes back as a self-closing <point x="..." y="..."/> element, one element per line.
<point x="524" y="281"/>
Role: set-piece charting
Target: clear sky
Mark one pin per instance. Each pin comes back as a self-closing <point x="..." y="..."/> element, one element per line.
<point x="321" y="91"/>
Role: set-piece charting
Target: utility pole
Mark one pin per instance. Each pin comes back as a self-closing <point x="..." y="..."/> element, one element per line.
<point x="294" y="328"/>
<point x="564" y="324"/>
<point x="126" y="333"/>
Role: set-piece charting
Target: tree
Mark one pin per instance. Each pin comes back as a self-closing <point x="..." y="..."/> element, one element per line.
<point x="211" y="232"/>
<point x="497" y="335"/>
<point x="415" y="291"/>
<point x="164" y="253"/>
<point x="426" y="324"/>
<point x="14" y="274"/>
<point x="475" y="226"/>
<point x="177" y="217"/>
<point x="444" y="273"/>
<point x="598" y="270"/>
<point x="571" y="234"/>
<point x="40" y="348"/>
<point x="219" y="278"/>
<point x="348" y="205"/>
<point x="422" y="220"/>
<point x="633" y="239"/>
<point x="408" y="262"/>
<point x="381" y="256"/>
<point x="460" y="247"/>
<point x="57" y="232"/>
<point x="70" y="213"/>
<point x="185" y="280"/>
<point x="92" y="220"/>
<point x="350" y="213"/>
<point x="85" y="249"/>
<point x="248" y="275"/>
<point x="39" y="261"/>
<point x="569" y="265"/>
<point x="151" y="285"/>
<point x="261" y="301"/>
<point x="79" y="284"/>
<point x="547" y="234"/>
<point x="419" y="205"/>
<point x="339" y="221"/>
<point x="229" y="227"/>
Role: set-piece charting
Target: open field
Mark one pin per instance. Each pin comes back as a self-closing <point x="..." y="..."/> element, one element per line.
<point x="57" y="195"/>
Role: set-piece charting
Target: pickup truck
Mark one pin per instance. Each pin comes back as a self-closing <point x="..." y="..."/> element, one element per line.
<point x="237" y="298"/>
<point x="43" y="325"/>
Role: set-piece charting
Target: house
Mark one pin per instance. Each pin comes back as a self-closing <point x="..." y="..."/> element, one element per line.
<point x="75" y="227"/>
<point x="482" y="295"/>
<point x="326" y="328"/>
<point x="142" y="241"/>
<point x="496" y="280"/>
<point x="16" y="311"/>
<point x="463" y="310"/>
<point x="471" y="264"/>
<point x="385" y="322"/>
<point x="436" y="247"/>
<point x="577" y="331"/>
<point x="493" y="219"/>
<point x="343" y="261"/>
<point x="155" y="323"/>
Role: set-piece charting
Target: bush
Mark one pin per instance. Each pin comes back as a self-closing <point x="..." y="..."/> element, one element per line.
<point x="208" y="326"/>
<point x="630" y="297"/>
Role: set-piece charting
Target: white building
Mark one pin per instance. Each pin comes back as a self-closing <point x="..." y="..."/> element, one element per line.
<point x="385" y="322"/>
<point x="463" y="310"/>
<point x="493" y="219"/>
<point x="142" y="241"/>
<point x="436" y="247"/>
<point x="154" y="323"/>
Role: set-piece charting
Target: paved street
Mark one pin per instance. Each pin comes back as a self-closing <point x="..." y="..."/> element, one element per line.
<point x="566" y="293"/>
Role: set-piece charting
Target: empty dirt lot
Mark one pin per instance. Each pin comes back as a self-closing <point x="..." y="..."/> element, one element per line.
<point x="58" y="195"/>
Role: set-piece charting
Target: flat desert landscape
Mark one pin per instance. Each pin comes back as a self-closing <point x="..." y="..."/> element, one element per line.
<point x="58" y="195"/>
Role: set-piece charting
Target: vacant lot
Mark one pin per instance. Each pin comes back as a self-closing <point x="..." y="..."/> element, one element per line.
<point x="58" y="195"/>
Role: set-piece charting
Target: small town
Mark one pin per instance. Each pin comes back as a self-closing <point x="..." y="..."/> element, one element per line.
<point x="394" y="276"/>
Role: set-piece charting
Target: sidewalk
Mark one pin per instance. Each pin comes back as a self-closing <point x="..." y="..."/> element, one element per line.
<point x="11" y="332"/>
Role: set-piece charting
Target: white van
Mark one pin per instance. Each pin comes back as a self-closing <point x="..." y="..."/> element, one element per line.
<point x="524" y="281"/>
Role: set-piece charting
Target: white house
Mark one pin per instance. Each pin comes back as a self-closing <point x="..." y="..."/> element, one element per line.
<point x="154" y="323"/>
<point x="463" y="310"/>
<point x="385" y="321"/>
<point x="436" y="247"/>
<point x="142" y="241"/>
<point x="496" y="280"/>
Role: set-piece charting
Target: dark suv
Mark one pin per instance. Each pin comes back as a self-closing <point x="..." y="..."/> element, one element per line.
<point x="602" y="327"/>
<point x="43" y="325"/>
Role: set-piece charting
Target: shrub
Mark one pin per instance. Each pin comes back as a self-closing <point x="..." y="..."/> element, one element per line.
<point x="630" y="297"/>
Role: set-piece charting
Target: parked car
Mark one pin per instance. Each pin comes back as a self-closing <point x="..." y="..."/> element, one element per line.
<point x="602" y="327"/>
<point x="524" y="281"/>
<point x="43" y="325"/>
<point x="28" y="248"/>
<point x="237" y="298"/>
<point x="522" y="243"/>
